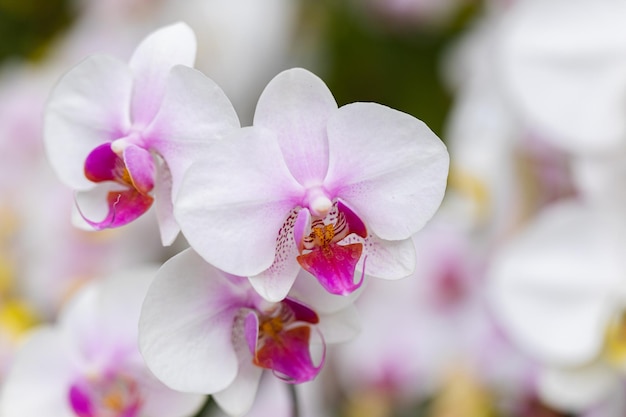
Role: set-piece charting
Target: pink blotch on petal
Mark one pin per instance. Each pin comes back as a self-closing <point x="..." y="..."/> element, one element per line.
<point x="355" y="224"/>
<point x="288" y="356"/>
<point x="280" y="340"/>
<point x="301" y="311"/>
<point x="334" y="267"/>
<point x="321" y="254"/>
<point x="112" y="396"/>
<point x="251" y="330"/>
<point x="101" y="164"/>
<point x="80" y="402"/>
<point x="135" y="172"/>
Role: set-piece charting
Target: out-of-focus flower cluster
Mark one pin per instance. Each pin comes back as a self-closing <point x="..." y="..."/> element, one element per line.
<point x="181" y="211"/>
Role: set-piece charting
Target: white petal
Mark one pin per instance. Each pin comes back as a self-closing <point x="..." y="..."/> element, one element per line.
<point x="38" y="383"/>
<point x="186" y="325"/>
<point x="78" y="321"/>
<point x="341" y="326"/>
<point x="164" y="205"/>
<point x="237" y="399"/>
<point x="272" y="399"/>
<point x="389" y="259"/>
<point x="89" y="106"/>
<point x="233" y="203"/>
<point x="151" y="63"/>
<point x="598" y="178"/>
<point x="387" y="165"/>
<point x="102" y="318"/>
<point x="309" y="291"/>
<point x="549" y="65"/>
<point x="579" y="389"/>
<point x="296" y="105"/>
<point x="554" y="285"/>
<point x="195" y="112"/>
<point x="120" y="297"/>
<point x="161" y="401"/>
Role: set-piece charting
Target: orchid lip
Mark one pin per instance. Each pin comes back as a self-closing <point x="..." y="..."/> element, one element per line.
<point x="279" y="340"/>
<point x="133" y="170"/>
<point x="324" y="252"/>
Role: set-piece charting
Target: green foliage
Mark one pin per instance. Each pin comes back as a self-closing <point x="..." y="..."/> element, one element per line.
<point x="26" y="26"/>
<point x="399" y="66"/>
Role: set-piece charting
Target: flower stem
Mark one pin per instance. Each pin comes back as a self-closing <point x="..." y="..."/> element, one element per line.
<point x="295" y="412"/>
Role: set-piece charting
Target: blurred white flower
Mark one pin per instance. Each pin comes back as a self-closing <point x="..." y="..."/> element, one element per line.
<point x="559" y="290"/>
<point x="89" y="363"/>
<point x="501" y="170"/>
<point x="563" y="66"/>
<point x="420" y="330"/>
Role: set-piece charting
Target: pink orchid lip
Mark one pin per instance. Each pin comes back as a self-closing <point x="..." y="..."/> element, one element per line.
<point x="108" y="396"/>
<point x="322" y="255"/>
<point x="134" y="170"/>
<point x="280" y="340"/>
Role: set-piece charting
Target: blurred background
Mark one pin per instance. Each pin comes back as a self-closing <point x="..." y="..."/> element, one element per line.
<point x="528" y="95"/>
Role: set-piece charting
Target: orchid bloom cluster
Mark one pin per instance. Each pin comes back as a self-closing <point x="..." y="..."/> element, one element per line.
<point x="285" y="218"/>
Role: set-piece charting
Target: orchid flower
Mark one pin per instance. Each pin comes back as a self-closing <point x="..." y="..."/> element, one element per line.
<point x="558" y="289"/>
<point x="335" y="191"/>
<point x="123" y="135"/>
<point x="205" y="331"/>
<point x="89" y="364"/>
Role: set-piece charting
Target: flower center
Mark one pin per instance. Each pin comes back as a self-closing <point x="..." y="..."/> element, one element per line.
<point x="112" y="396"/>
<point x="121" y="173"/>
<point x="279" y="340"/>
<point x="130" y="166"/>
<point x="271" y="327"/>
<point x="325" y="254"/>
<point x="318" y="202"/>
<point x="321" y="236"/>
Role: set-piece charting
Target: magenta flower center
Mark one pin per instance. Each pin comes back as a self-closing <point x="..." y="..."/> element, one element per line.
<point x="112" y="396"/>
<point x="325" y="254"/>
<point x="283" y="340"/>
<point x="134" y="169"/>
